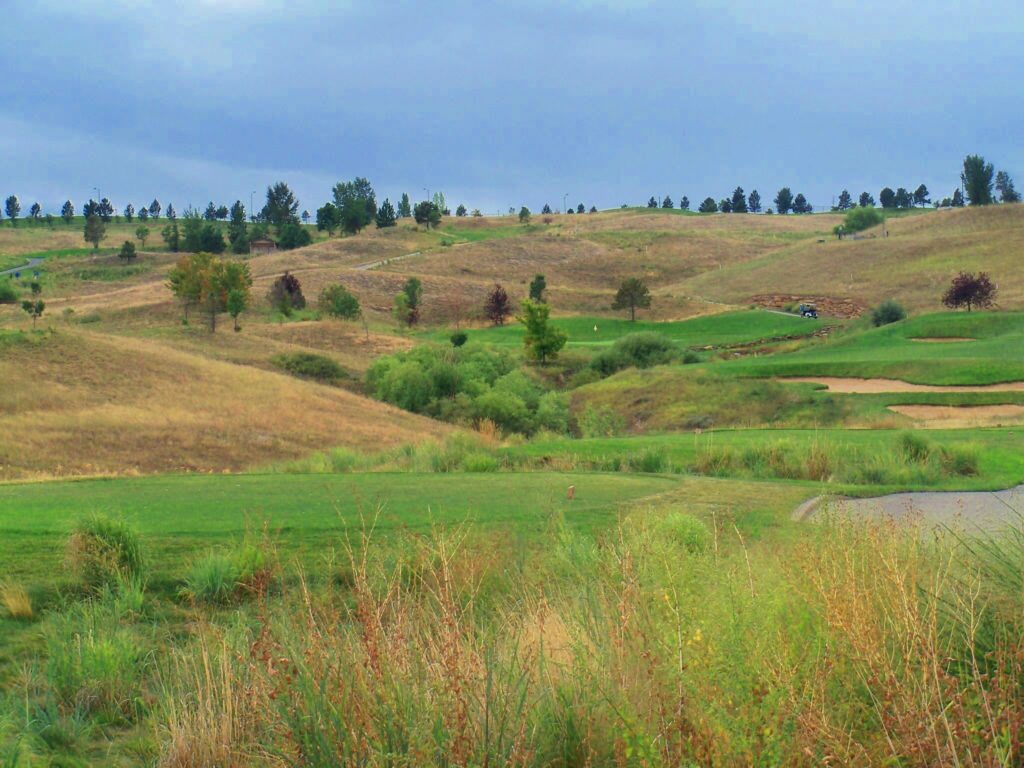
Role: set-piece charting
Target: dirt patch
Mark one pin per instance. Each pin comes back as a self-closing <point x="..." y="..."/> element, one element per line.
<point x="830" y="306"/>
<point x="958" y="416"/>
<point x="886" y="386"/>
<point x="942" y="339"/>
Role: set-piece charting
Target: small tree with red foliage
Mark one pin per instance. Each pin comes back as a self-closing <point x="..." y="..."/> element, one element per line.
<point x="497" y="306"/>
<point x="970" y="290"/>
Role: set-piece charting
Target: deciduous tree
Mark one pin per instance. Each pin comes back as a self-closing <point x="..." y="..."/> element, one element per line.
<point x="356" y="203"/>
<point x="95" y="230"/>
<point x="921" y="196"/>
<point x="1005" y="188"/>
<point x="34" y="309"/>
<point x="35" y="211"/>
<point x="524" y="215"/>
<point x="285" y="294"/>
<point x="497" y="306"/>
<point x="866" y="200"/>
<point x="141" y="233"/>
<point x="977" y="177"/>
<point x="129" y="213"/>
<point x="684" y="204"/>
<point x="337" y="301"/>
<point x="970" y="290"/>
<point x="427" y="213"/>
<point x="12" y="205"/>
<point x="127" y="252"/>
<point x="281" y="205"/>
<point x="67" y="211"/>
<point x="238" y="229"/>
<point x="537" y="287"/>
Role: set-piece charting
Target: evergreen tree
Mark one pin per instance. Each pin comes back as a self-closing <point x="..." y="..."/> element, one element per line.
<point x="428" y="214"/>
<point x="143" y="213"/>
<point x="866" y="200"/>
<point x="95" y="230"/>
<point x="725" y="205"/>
<point x="708" y="206"/>
<point x="210" y="214"/>
<point x="667" y="202"/>
<point x="845" y="202"/>
<point x="739" y="201"/>
<point x="106" y="210"/>
<point x="141" y="233"/>
<point x="404" y="206"/>
<point x="67" y="212"/>
<point x="652" y="203"/>
<point x="172" y="237"/>
<point x="386" y="216"/>
<point x="537" y="287"/>
<point x="1005" y="188"/>
<point x="541" y="340"/>
<point x="305" y="217"/>
<point x="154" y="209"/>
<point x="13" y="207"/>
<point x="129" y="213"/>
<point x="546" y="210"/>
<point x="632" y="294"/>
<point x="581" y="209"/>
<point x="921" y="196"/>
<point x="754" y="202"/>
<point x="524" y="215"/>
<point x="800" y="204"/>
<point x="958" y="199"/>
<point x="171" y="213"/>
<point x="237" y="229"/>
<point x="593" y="209"/>
<point x="35" y="211"/>
<point x="784" y="200"/>
<point x="684" y="204"/>
<point x="127" y="252"/>
<point x="461" y="210"/>
<point x="222" y="212"/>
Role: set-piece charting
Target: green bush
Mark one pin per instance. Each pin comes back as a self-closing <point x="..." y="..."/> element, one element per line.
<point x="888" y="311"/>
<point x="858" y="219"/>
<point x="684" y="531"/>
<point x="638" y="350"/>
<point x="459" y="338"/>
<point x="600" y="422"/>
<point x="960" y="460"/>
<point x="8" y="293"/>
<point x="337" y="301"/>
<point x="310" y="366"/>
<point x="480" y="462"/>
<point x="101" y="551"/>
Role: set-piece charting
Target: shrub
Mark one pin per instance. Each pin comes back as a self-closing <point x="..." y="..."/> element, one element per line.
<point x="337" y="301"/>
<point x="650" y="460"/>
<point x="600" y="421"/>
<point x="286" y="294"/>
<point x="102" y="550"/>
<point x="8" y="293"/>
<point x="690" y="357"/>
<point x="640" y="350"/>
<point x="888" y="311"/>
<point x="459" y="338"/>
<point x="678" y="529"/>
<point x="480" y="462"/>
<point x="292" y="235"/>
<point x="858" y="219"/>
<point x="310" y="366"/>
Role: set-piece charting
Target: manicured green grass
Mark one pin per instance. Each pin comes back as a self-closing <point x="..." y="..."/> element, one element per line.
<point x="462" y="234"/>
<point x="721" y="329"/>
<point x="181" y="515"/>
<point x="889" y="352"/>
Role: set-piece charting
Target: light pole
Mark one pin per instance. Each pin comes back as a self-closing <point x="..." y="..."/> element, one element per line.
<point x="565" y="197"/>
<point x="252" y="213"/>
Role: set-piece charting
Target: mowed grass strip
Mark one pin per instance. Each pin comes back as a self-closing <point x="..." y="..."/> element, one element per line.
<point x="721" y="329"/>
<point x="178" y="516"/>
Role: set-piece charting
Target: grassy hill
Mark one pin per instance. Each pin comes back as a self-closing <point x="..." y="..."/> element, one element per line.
<point x="77" y="402"/>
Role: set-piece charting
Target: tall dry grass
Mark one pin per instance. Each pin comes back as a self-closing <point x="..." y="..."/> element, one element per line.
<point x="666" y="643"/>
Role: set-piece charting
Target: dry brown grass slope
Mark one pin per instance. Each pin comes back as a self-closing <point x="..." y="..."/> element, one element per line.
<point x="913" y="264"/>
<point x="79" y="403"/>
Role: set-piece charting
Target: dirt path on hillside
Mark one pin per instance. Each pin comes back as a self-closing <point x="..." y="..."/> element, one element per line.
<point x="966" y="510"/>
<point x="886" y="386"/>
<point x="941" y="339"/>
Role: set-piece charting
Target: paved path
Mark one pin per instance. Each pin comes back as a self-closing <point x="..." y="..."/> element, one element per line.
<point x="31" y="263"/>
<point x="971" y="510"/>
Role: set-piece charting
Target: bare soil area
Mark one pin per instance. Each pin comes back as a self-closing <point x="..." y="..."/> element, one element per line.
<point x="852" y="386"/>
<point x="961" y="416"/>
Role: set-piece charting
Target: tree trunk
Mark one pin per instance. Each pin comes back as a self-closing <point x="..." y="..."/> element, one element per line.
<point x="632" y="313"/>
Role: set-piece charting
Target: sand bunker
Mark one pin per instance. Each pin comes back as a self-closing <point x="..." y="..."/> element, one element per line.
<point x="942" y="339"/>
<point x="884" y="386"/>
<point x="957" y="416"/>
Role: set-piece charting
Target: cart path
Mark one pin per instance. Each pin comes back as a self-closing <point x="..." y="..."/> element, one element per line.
<point x="31" y="263"/>
<point x="971" y="510"/>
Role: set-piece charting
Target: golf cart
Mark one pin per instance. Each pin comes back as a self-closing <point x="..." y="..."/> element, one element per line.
<point x="808" y="310"/>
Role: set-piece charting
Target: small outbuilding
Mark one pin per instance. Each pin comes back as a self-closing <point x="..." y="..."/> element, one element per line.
<point x="258" y="247"/>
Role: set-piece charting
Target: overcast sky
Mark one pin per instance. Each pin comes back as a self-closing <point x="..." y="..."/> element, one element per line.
<point x="609" y="102"/>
